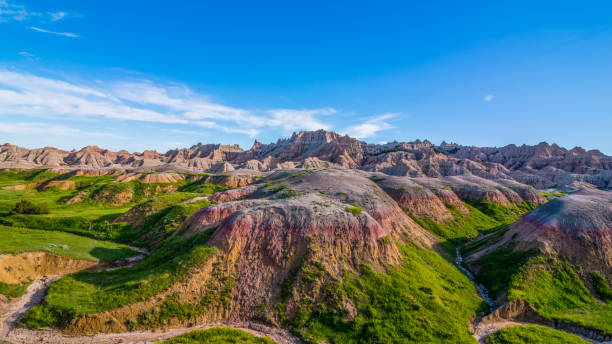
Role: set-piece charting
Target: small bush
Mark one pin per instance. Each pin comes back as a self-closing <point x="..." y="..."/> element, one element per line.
<point x="601" y="287"/>
<point x="27" y="207"/>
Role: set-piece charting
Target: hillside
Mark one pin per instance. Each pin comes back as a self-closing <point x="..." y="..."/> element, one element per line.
<point x="330" y="254"/>
<point x="558" y="258"/>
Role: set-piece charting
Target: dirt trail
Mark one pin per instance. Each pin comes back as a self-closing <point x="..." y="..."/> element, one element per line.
<point x="14" y="311"/>
<point x="11" y="313"/>
<point x="37" y="291"/>
<point x="54" y="337"/>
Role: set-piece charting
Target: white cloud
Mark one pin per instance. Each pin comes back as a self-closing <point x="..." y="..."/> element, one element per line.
<point x="370" y="127"/>
<point x="10" y="11"/>
<point x="28" y="56"/>
<point x="488" y="98"/>
<point x="65" y="34"/>
<point x="184" y="132"/>
<point x="206" y="124"/>
<point x="29" y="95"/>
<point x="24" y="94"/>
<point x="291" y="120"/>
<point x="55" y="16"/>
<point x="31" y="128"/>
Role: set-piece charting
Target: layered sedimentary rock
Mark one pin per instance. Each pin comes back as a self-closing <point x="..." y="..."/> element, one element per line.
<point x="542" y="165"/>
<point x="336" y="220"/>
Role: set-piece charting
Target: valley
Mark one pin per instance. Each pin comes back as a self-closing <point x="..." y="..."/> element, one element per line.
<point x="317" y="238"/>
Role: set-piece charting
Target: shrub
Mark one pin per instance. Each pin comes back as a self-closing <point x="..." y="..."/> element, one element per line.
<point x="601" y="287"/>
<point x="27" y="207"/>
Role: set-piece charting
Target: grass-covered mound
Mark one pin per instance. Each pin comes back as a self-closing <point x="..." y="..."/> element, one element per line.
<point x="90" y="292"/>
<point x="219" y="335"/>
<point x="552" y="285"/>
<point x="555" y="289"/>
<point x="14" y="240"/>
<point x="533" y="334"/>
<point x="425" y="299"/>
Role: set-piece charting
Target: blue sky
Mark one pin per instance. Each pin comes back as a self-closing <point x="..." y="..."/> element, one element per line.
<point x="141" y="75"/>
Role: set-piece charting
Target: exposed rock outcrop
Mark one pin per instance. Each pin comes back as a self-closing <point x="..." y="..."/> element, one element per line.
<point x="541" y="166"/>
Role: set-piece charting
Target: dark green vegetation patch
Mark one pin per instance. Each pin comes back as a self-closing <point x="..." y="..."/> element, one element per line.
<point x="13" y="290"/>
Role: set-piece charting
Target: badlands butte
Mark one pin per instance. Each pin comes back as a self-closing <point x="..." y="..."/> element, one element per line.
<point x="318" y="238"/>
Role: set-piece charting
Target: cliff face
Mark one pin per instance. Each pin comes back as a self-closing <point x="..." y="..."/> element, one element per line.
<point x="541" y="166"/>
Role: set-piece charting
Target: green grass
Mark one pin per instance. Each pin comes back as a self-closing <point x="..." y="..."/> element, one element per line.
<point x="13" y="290"/>
<point x="219" y="335"/>
<point x="533" y="334"/>
<point x="90" y="292"/>
<point x="553" y="194"/>
<point x="462" y="227"/>
<point x="483" y="217"/>
<point x="601" y="287"/>
<point x="500" y="213"/>
<point x="491" y="237"/>
<point x="551" y="285"/>
<point x="206" y="189"/>
<point x="15" y="240"/>
<point x="425" y="299"/>
<point x="354" y="209"/>
<point x="94" y="215"/>
<point x="555" y="289"/>
<point x="17" y="177"/>
<point x="498" y="268"/>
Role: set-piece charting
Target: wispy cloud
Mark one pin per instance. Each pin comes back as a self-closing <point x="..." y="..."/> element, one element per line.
<point x="212" y="125"/>
<point x="28" y="95"/>
<point x="142" y="100"/>
<point x="488" y="98"/>
<point x="290" y="120"/>
<point x="65" y="34"/>
<point x="29" y="56"/>
<point x="10" y="11"/>
<point x="55" y="16"/>
<point x="371" y="126"/>
<point x="36" y="128"/>
<point x="183" y="132"/>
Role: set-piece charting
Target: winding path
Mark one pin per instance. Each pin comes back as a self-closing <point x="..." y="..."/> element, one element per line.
<point x="11" y="314"/>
